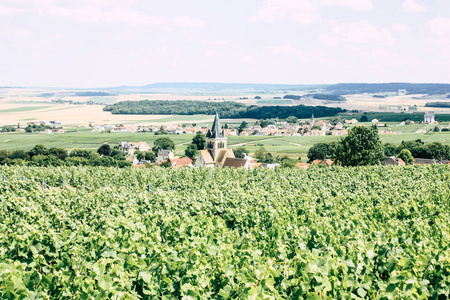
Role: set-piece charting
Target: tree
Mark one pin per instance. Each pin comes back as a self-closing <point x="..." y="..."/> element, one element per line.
<point x="105" y="150"/>
<point x="390" y="149"/>
<point x="436" y="150"/>
<point x="321" y="151"/>
<point x="58" y="152"/>
<point x="148" y="155"/>
<point x="364" y="118"/>
<point x="191" y="150"/>
<point x="239" y="152"/>
<point x="199" y="140"/>
<point x="292" y="120"/>
<point x="38" y="150"/>
<point x="166" y="164"/>
<point x="288" y="163"/>
<point x="163" y="143"/>
<point x="264" y="123"/>
<point x="362" y="146"/>
<point x="242" y="126"/>
<point x="406" y="156"/>
<point x="260" y="154"/>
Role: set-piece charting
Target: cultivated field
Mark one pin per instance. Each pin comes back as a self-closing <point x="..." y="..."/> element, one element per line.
<point x="334" y="233"/>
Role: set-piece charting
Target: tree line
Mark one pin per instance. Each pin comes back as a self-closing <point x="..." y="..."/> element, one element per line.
<point x="362" y="146"/>
<point x="42" y="156"/>
<point x="437" y="104"/>
<point x="226" y="109"/>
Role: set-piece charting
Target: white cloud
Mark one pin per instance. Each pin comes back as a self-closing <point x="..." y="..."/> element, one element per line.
<point x="216" y="43"/>
<point x="440" y="27"/>
<point x="439" y="40"/>
<point x="301" y="10"/>
<point x="355" y="4"/>
<point x="284" y="50"/>
<point x="186" y="21"/>
<point x="400" y="27"/>
<point x="95" y="13"/>
<point x="126" y="15"/>
<point x="10" y="30"/>
<point x="6" y="11"/>
<point x="360" y="33"/>
<point x="410" y="6"/>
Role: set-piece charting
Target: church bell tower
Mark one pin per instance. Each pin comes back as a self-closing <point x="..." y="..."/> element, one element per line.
<point x="215" y="138"/>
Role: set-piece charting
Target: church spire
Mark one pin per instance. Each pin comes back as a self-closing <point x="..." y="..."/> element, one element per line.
<point x="216" y="132"/>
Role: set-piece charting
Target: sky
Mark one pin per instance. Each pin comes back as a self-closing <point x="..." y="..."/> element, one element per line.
<point x="105" y="43"/>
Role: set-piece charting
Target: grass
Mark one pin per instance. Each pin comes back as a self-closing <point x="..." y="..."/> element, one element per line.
<point x="23" y="109"/>
<point x="275" y="102"/>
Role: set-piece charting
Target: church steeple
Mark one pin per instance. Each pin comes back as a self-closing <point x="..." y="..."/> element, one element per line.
<point x="216" y="132"/>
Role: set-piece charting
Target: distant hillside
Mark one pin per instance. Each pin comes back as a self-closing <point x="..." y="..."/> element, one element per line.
<point x="199" y="87"/>
<point x="411" y="88"/>
<point x="236" y="88"/>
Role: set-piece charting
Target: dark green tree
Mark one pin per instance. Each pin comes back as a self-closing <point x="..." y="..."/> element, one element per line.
<point x="61" y="153"/>
<point x="242" y="126"/>
<point x="105" y="150"/>
<point x="321" y="151"/>
<point x="163" y="143"/>
<point x="364" y="118"/>
<point x="38" y="150"/>
<point x="239" y="152"/>
<point x="166" y="164"/>
<point x="362" y="146"/>
<point x="191" y="150"/>
<point x="406" y="156"/>
<point x="199" y="140"/>
<point x="390" y="149"/>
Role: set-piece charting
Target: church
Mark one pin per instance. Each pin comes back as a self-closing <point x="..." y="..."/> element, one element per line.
<point x="216" y="153"/>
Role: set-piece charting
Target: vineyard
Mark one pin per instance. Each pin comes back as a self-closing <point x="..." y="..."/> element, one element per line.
<point x="337" y="233"/>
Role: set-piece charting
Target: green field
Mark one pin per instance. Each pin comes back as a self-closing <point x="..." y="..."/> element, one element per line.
<point x="24" y="109"/>
<point x="325" y="233"/>
<point x="278" y="145"/>
<point x="274" y="102"/>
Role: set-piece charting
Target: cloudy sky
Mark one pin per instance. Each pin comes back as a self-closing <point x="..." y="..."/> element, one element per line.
<point x="99" y="43"/>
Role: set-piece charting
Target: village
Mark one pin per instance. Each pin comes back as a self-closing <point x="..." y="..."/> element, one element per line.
<point x="216" y="153"/>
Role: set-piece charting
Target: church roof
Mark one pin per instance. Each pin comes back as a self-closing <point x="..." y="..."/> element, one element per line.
<point x="206" y="156"/>
<point x="216" y="132"/>
<point x="234" y="162"/>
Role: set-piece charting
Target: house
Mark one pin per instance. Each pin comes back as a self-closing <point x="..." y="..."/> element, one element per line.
<point x="58" y="131"/>
<point x="164" y="155"/>
<point x="421" y="131"/>
<point x="325" y="162"/>
<point x="401" y="92"/>
<point x="303" y="166"/>
<point x="216" y="153"/>
<point x="130" y="148"/>
<point x="182" y="162"/>
<point x="375" y="121"/>
<point x="429" y="118"/>
<point x="394" y="161"/>
<point x="429" y="161"/>
<point x="47" y="131"/>
<point x="352" y="121"/>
